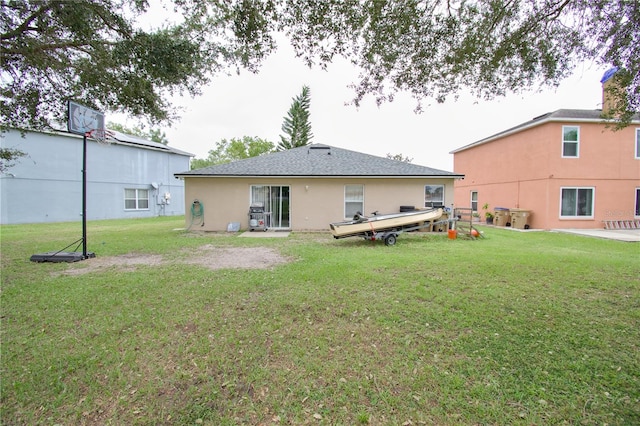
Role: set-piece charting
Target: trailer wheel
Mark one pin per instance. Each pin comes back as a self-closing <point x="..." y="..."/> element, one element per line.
<point x="390" y="240"/>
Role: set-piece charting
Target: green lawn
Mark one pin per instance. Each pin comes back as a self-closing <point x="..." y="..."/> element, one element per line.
<point x="515" y="328"/>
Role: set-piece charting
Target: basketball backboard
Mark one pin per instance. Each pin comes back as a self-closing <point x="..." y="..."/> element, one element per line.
<point x="82" y="119"/>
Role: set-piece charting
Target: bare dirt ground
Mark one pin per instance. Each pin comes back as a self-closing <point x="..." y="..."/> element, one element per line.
<point x="208" y="256"/>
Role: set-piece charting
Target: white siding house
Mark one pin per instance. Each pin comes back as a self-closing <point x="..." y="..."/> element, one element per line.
<point x="128" y="178"/>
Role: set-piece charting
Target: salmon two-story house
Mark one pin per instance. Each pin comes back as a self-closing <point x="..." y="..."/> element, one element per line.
<point x="567" y="168"/>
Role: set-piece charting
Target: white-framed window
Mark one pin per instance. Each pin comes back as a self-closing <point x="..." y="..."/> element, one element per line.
<point x="577" y="202"/>
<point x="638" y="143"/>
<point x="570" y="141"/>
<point x="434" y="195"/>
<point x="353" y="200"/>
<point x="136" y="199"/>
<point x="474" y="201"/>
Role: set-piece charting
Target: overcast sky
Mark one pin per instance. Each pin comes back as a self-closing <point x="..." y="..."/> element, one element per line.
<point x="256" y="104"/>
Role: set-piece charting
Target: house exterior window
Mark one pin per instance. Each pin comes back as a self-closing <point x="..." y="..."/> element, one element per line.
<point x="353" y="200"/>
<point x="576" y="202"/>
<point x="637" y="213"/>
<point x="570" y="141"/>
<point x="136" y="199"/>
<point x="434" y="195"/>
<point x="638" y="143"/>
<point x="474" y="201"/>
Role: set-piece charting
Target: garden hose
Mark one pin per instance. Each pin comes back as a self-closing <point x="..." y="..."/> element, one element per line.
<point x="197" y="213"/>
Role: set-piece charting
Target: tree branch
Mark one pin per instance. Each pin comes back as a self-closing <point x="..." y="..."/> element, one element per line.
<point x="25" y="25"/>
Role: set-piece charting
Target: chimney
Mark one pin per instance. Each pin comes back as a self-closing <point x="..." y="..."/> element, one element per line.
<point x="612" y="94"/>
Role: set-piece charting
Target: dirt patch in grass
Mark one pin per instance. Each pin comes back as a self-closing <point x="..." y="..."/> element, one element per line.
<point x="213" y="257"/>
<point x="208" y="256"/>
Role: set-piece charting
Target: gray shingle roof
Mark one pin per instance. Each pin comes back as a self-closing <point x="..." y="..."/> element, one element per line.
<point x="317" y="160"/>
<point x="568" y="115"/>
<point x="135" y="140"/>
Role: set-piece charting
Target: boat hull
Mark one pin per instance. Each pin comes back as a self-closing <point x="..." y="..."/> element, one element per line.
<point x="373" y="224"/>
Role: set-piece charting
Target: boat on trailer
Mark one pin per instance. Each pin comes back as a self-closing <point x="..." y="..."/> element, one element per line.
<point x="386" y="226"/>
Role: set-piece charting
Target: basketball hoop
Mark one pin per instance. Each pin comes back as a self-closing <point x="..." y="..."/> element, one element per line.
<point x="102" y="136"/>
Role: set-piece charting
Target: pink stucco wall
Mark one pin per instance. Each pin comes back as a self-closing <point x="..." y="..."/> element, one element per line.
<point x="526" y="170"/>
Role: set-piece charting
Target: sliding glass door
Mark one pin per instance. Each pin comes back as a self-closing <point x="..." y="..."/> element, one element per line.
<point x="275" y="199"/>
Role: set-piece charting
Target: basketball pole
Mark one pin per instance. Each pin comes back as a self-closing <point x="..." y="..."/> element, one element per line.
<point x="81" y="121"/>
<point x="84" y="196"/>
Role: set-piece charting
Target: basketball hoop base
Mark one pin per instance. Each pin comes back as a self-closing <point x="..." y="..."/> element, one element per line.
<point x="62" y="256"/>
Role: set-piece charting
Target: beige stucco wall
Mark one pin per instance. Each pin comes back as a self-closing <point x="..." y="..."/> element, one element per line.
<point x="314" y="202"/>
<point x="526" y="170"/>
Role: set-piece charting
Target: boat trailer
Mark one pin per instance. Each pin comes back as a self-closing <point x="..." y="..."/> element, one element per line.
<point x="390" y="236"/>
<point x="388" y="227"/>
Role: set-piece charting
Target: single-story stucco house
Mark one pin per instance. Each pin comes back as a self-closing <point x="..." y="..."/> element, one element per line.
<point x="309" y="187"/>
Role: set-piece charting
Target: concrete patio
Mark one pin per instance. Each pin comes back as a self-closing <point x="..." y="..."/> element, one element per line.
<point x="629" y="235"/>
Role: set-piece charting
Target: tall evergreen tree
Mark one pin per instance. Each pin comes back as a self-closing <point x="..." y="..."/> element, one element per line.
<point x="296" y="126"/>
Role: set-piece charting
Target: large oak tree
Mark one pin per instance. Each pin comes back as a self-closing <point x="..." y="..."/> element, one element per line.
<point x="93" y="51"/>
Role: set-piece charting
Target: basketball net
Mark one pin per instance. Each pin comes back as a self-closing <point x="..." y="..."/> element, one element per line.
<point x="102" y="136"/>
